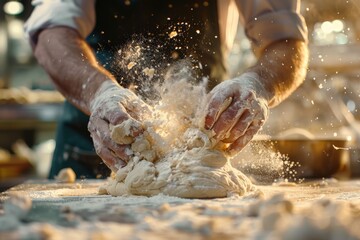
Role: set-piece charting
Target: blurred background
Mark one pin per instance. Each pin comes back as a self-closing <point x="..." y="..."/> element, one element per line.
<point x="326" y="105"/>
<point x="29" y="105"/>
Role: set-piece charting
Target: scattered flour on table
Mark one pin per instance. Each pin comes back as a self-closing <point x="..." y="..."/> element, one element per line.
<point x="175" y="156"/>
<point x="17" y="205"/>
<point x="15" y="208"/>
<point x="163" y="217"/>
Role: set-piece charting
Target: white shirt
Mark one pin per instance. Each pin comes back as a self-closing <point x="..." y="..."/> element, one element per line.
<point x="264" y="21"/>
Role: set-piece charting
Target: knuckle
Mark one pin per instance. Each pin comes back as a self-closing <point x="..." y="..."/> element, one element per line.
<point x="118" y="117"/>
<point x="98" y="150"/>
<point x="91" y="126"/>
<point x="101" y="151"/>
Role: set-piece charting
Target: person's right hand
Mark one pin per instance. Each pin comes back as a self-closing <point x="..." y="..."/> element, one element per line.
<point x="113" y="105"/>
<point x="236" y="111"/>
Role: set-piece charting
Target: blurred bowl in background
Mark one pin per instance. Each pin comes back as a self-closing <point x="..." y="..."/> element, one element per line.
<point x="355" y="161"/>
<point x="14" y="168"/>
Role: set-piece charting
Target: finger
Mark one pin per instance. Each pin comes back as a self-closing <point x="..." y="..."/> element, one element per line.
<point x="228" y="119"/>
<point x="103" y="134"/>
<point x="242" y="141"/>
<point x="218" y="104"/>
<point x="107" y="156"/>
<point x="255" y="115"/>
<point x="135" y="106"/>
<point x="121" y="151"/>
<point x="94" y="118"/>
<point x="116" y="114"/>
<point x="138" y="109"/>
<point x="240" y="127"/>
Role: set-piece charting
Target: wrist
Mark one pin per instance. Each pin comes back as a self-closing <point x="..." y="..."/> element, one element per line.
<point x="101" y="91"/>
<point x="255" y="83"/>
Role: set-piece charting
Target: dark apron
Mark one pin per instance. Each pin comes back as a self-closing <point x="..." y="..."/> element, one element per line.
<point x="148" y="22"/>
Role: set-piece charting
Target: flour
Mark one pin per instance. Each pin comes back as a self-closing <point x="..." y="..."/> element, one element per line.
<point x="175" y="155"/>
<point x="122" y="133"/>
<point x="149" y="72"/>
<point x="297" y="212"/>
<point x="15" y="208"/>
<point x="17" y="205"/>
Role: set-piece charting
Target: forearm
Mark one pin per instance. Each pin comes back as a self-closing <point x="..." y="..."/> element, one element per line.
<point x="71" y="65"/>
<point x="282" y="68"/>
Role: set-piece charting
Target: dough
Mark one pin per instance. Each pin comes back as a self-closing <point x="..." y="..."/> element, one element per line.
<point x="122" y="133"/>
<point x="191" y="172"/>
<point x="66" y="175"/>
<point x="174" y="156"/>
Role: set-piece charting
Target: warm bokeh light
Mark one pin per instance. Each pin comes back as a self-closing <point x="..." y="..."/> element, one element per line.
<point x="337" y="25"/>
<point x="327" y="27"/>
<point x="13" y="8"/>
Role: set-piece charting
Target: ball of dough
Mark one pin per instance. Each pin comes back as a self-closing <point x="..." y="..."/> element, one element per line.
<point x="66" y="175"/>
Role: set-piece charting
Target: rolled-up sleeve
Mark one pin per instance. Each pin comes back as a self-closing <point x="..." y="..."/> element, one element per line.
<point x="268" y="21"/>
<point x="76" y="14"/>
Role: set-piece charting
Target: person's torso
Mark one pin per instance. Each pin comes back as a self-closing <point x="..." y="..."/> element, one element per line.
<point x="133" y="35"/>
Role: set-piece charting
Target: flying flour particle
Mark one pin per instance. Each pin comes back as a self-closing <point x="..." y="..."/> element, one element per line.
<point x="173" y="34"/>
<point x="149" y="72"/>
<point x="131" y="65"/>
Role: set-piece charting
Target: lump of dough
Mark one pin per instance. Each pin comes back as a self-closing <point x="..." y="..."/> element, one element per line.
<point x="195" y="173"/>
<point x="140" y="144"/>
<point x="66" y="175"/>
<point x="142" y="148"/>
<point x="123" y="132"/>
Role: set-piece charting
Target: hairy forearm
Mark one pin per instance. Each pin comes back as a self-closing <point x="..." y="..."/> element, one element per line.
<point x="282" y="68"/>
<point x="71" y="64"/>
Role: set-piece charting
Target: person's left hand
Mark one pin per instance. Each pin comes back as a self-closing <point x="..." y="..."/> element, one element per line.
<point x="236" y="111"/>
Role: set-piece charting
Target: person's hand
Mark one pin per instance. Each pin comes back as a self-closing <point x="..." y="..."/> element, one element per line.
<point x="236" y="111"/>
<point x="111" y="106"/>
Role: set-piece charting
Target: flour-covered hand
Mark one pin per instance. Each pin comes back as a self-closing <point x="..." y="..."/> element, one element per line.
<point x="236" y="111"/>
<point x="111" y="106"/>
